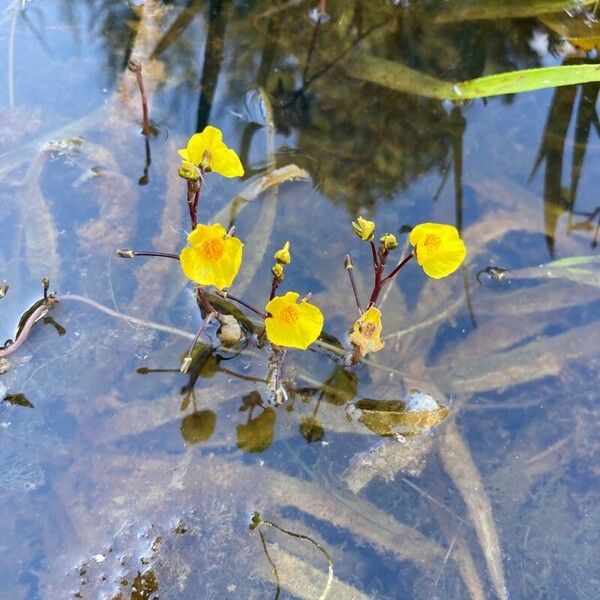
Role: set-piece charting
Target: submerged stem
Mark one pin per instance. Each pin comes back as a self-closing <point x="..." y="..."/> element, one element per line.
<point x="135" y="67"/>
<point x="257" y="521"/>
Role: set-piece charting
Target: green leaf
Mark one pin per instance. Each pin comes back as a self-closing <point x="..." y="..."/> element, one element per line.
<point x="399" y="77"/>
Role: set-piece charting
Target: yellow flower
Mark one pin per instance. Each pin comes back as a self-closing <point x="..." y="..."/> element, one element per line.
<point x="207" y="151"/>
<point x="366" y="332"/>
<point x="291" y="323"/>
<point x="364" y="229"/>
<point x="438" y="248"/>
<point x="283" y="256"/>
<point x="389" y="241"/>
<point x="212" y="257"/>
<point x="277" y="270"/>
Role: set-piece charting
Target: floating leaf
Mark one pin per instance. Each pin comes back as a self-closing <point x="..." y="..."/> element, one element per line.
<point x="389" y="417"/>
<point x="257" y="434"/>
<point x="341" y="387"/>
<point x="198" y="427"/>
<point x="312" y="430"/>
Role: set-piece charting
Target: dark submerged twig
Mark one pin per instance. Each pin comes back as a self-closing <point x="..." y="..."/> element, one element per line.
<point x="271" y="562"/>
<point x="257" y="521"/>
<point x="135" y="67"/>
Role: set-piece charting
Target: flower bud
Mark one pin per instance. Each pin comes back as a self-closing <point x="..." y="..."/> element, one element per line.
<point x="277" y="270"/>
<point x="364" y="229"/>
<point x="189" y="170"/>
<point x="283" y="256"/>
<point x="388" y="241"/>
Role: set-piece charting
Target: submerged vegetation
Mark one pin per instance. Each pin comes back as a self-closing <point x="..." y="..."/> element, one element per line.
<point x="354" y="307"/>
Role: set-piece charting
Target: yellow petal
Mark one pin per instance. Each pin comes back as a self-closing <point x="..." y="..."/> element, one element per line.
<point x="203" y="232"/>
<point x="438" y="247"/>
<point x="292" y="324"/>
<point x="212" y="258"/>
<point x="227" y="163"/>
<point x="366" y="332"/>
<point x="364" y="229"/>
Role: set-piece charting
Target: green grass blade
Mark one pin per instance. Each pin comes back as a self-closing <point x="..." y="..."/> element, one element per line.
<point x="399" y="77"/>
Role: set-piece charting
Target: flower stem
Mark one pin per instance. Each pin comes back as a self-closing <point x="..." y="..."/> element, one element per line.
<point x="255" y="310"/>
<point x="381" y="281"/>
<point x="349" y="266"/>
<point x="193" y="195"/>
<point x="205" y="304"/>
<point x="187" y="361"/>
<point x="395" y="270"/>
<point x="378" y="267"/>
<point x="132" y="253"/>
<point x="274" y="286"/>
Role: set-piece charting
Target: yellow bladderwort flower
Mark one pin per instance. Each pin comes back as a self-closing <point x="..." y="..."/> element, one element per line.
<point x="207" y="151"/>
<point x="388" y="241"/>
<point x="292" y="324"/>
<point x="283" y="256"/>
<point x="212" y="257"/>
<point x="438" y="248"/>
<point x="364" y="229"/>
<point x="366" y="332"/>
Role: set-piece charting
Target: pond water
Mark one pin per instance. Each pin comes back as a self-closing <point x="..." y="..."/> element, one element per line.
<point x="121" y="477"/>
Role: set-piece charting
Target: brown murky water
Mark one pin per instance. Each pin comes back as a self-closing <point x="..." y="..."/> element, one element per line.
<point x="119" y="481"/>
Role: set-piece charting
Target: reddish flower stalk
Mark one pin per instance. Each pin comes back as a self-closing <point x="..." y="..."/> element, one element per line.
<point x="255" y="310"/>
<point x="380" y="281"/>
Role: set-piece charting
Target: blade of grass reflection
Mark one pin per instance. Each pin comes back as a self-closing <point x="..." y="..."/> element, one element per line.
<point x="305" y="581"/>
<point x="545" y="356"/>
<point x="160" y="279"/>
<point x="183" y="20"/>
<point x="40" y="236"/>
<point x="362" y="518"/>
<point x="552" y="150"/>
<point x="260" y="184"/>
<point x="543" y="298"/>
<point x="261" y="233"/>
<point x="461" y="468"/>
<point x="211" y="64"/>
<point x="458" y="126"/>
<point x="586" y="113"/>
<point x="458" y="548"/>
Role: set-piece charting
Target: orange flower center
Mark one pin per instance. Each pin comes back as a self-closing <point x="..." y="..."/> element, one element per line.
<point x="212" y="250"/>
<point x="432" y="242"/>
<point x="289" y="314"/>
<point x="368" y="329"/>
